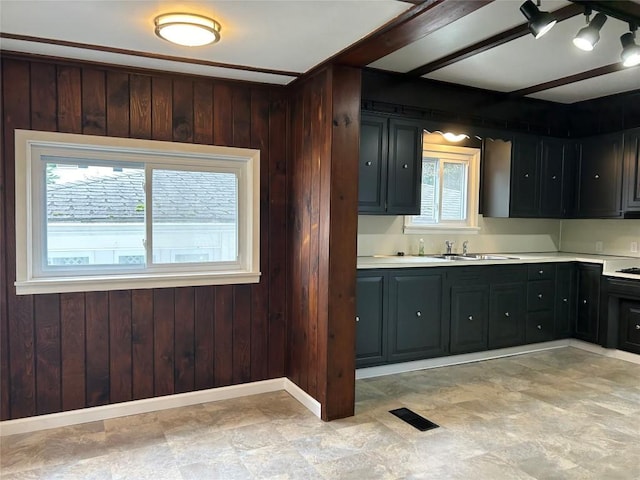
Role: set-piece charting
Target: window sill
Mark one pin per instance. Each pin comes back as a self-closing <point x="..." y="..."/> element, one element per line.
<point x="132" y="282"/>
<point x="440" y="230"/>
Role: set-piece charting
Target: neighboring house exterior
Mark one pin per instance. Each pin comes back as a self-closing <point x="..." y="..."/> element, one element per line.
<point x="99" y="220"/>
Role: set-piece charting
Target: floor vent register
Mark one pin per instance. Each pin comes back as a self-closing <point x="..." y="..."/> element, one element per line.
<point x="413" y="419"/>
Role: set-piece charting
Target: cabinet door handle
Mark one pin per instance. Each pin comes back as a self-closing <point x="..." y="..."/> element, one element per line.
<point x="539" y="327"/>
<point x="526" y="175"/>
<point x="637" y="327"/>
<point x="470" y="318"/>
<point x="540" y="296"/>
<point x="506" y="314"/>
<point x="596" y="176"/>
<point x="418" y="313"/>
<point x="405" y="166"/>
<point x="553" y="178"/>
<point x="540" y="272"/>
<point x="368" y="164"/>
<point x="584" y="302"/>
<point x="357" y="319"/>
<point x="565" y="300"/>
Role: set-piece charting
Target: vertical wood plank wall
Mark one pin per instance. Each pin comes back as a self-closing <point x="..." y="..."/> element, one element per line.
<point x="325" y="114"/>
<point x="67" y="351"/>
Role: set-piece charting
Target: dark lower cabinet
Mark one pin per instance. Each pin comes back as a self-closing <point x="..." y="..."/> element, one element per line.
<point x="506" y="315"/>
<point x="370" y="325"/>
<point x="588" y="307"/>
<point x="469" y="318"/>
<point x="416" y="324"/>
<point x="629" y="330"/>
<point x="565" y="299"/>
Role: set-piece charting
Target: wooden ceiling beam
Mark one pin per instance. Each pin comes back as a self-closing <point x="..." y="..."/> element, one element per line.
<point x="414" y="24"/>
<point x="498" y="39"/>
<point x="578" y="77"/>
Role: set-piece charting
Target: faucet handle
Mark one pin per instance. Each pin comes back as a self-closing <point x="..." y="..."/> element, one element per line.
<point x="449" y="244"/>
<point x="465" y="245"/>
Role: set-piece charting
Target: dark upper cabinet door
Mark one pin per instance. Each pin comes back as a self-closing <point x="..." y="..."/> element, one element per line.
<point x="469" y="312"/>
<point x="370" y="308"/>
<point x="417" y="328"/>
<point x="557" y="176"/>
<point x="372" y="170"/>
<point x="632" y="171"/>
<point x="600" y="176"/>
<point x="525" y="190"/>
<point x="588" y="302"/>
<point x="405" y="167"/>
<point x="506" y="315"/>
<point x="565" y="299"/>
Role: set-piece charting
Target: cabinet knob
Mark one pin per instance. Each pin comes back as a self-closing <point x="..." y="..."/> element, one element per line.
<point x="405" y="166"/>
<point x="526" y="175"/>
<point x="368" y="164"/>
<point x="553" y="178"/>
<point x="357" y="319"/>
<point x="637" y="327"/>
<point x="584" y="302"/>
<point x="540" y="296"/>
<point x="596" y="176"/>
<point x="506" y="314"/>
<point x="539" y="327"/>
<point x="565" y="300"/>
<point x="470" y="318"/>
<point x="540" y="272"/>
<point x="418" y="313"/>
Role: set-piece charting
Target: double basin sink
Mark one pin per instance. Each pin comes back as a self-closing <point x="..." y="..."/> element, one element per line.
<point x="441" y="258"/>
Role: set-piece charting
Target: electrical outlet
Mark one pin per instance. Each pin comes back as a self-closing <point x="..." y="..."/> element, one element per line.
<point x="634" y="247"/>
<point x="599" y="246"/>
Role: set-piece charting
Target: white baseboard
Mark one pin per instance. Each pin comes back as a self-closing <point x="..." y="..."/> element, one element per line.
<point x="105" y="412"/>
<point x="606" y="352"/>
<point x="370" y="372"/>
<point x="391" y="369"/>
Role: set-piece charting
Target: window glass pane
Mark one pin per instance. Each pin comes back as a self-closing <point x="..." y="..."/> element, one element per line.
<point x="95" y="213"/>
<point x="195" y="216"/>
<point x="454" y="190"/>
<point x="429" y="199"/>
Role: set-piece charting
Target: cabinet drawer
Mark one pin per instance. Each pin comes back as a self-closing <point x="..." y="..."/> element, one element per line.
<point x="540" y="326"/>
<point x="540" y="295"/>
<point x="541" y="271"/>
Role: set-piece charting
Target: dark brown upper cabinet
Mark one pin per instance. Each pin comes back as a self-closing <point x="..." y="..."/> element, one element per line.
<point x="528" y="177"/>
<point x="390" y="170"/>
<point x="631" y="187"/>
<point x="600" y="176"/>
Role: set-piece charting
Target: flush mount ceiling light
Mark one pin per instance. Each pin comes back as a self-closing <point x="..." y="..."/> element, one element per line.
<point x="187" y="29"/>
<point x="588" y="36"/>
<point x="630" y="50"/>
<point x="539" y="22"/>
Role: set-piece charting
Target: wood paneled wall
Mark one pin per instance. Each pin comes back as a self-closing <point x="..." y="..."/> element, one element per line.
<point x="68" y="351"/>
<point x="325" y="119"/>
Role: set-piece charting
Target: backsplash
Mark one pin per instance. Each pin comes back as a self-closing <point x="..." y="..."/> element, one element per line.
<point x="616" y="236"/>
<point x="379" y="234"/>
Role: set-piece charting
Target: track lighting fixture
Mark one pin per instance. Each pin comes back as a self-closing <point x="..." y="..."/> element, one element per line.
<point x="630" y="50"/>
<point x="539" y="22"/>
<point x="588" y="36"/>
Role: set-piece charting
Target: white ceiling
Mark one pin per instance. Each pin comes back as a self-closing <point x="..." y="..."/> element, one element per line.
<point x="290" y="37"/>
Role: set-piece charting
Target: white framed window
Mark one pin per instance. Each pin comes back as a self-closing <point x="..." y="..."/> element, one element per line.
<point x="105" y="213"/>
<point x="450" y="190"/>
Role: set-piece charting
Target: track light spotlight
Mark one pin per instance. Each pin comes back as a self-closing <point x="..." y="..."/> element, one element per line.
<point x="588" y="36"/>
<point x="539" y="22"/>
<point x="630" y="50"/>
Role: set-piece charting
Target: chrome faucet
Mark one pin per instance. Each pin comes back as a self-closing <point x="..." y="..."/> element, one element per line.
<point x="465" y="245"/>
<point x="449" y="244"/>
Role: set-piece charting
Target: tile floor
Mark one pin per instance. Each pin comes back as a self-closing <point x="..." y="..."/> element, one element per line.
<point x="558" y="414"/>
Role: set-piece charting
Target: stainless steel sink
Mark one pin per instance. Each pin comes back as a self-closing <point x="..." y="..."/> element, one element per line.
<point x="471" y="257"/>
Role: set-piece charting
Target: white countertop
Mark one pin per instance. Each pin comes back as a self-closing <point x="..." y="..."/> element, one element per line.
<point x="610" y="264"/>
